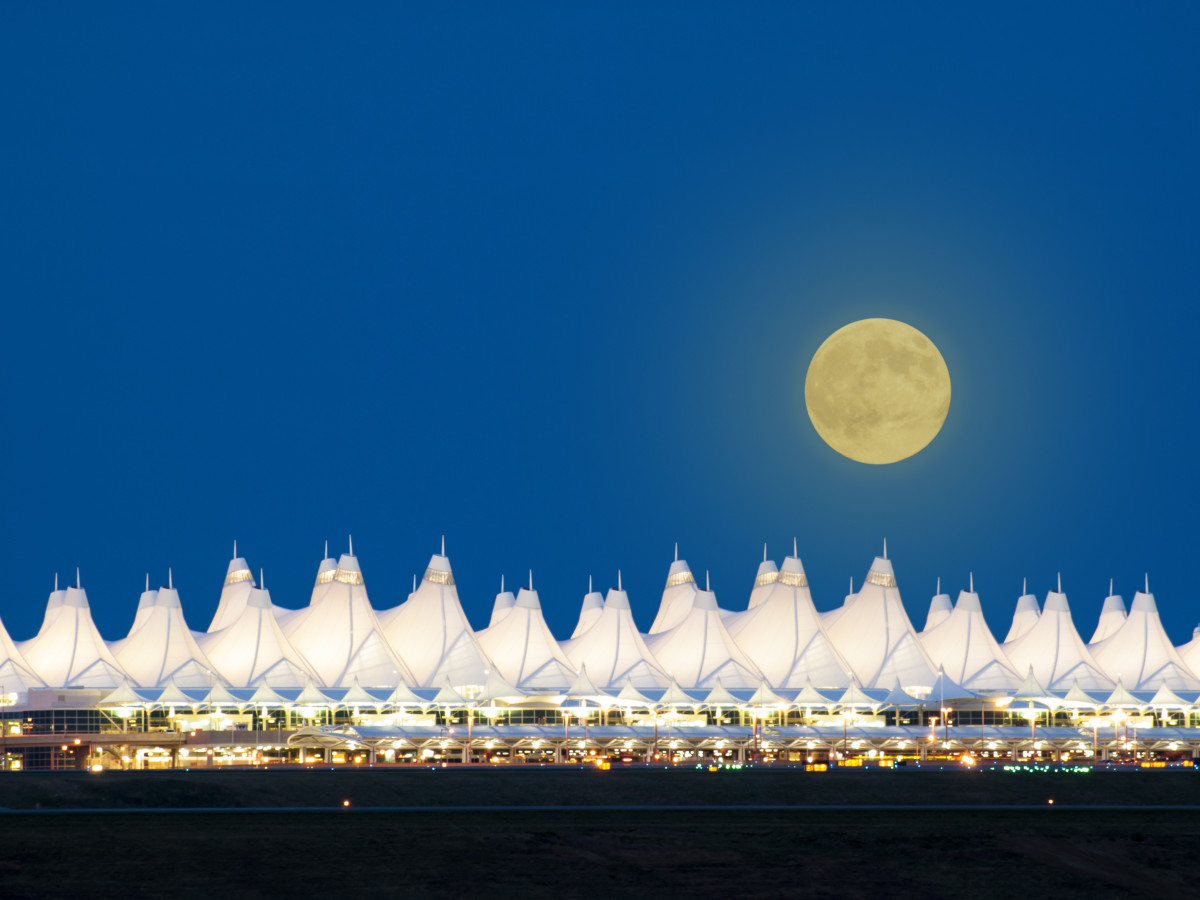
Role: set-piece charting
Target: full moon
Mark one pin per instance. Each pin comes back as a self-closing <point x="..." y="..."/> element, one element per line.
<point x="877" y="391"/>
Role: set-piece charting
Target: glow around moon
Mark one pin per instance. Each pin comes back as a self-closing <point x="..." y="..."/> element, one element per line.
<point x="877" y="391"/>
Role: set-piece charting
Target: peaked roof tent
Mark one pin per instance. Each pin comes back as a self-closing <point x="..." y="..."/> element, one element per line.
<point x="144" y="607"/>
<point x="239" y="581"/>
<point x="505" y="600"/>
<point x="1141" y="654"/>
<point x="677" y="596"/>
<point x="69" y="651"/>
<point x="593" y="604"/>
<point x="1054" y="650"/>
<point x="431" y="632"/>
<point x="939" y="609"/>
<point x="784" y="637"/>
<point x="163" y="648"/>
<point x="340" y="636"/>
<point x="521" y="646"/>
<point x="253" y="650"/>
<point x="963" y="646"/>
<point x="1112" y="616"/>
<point x="700" y="649"/>
<point x="613" y="651"/>
<point x="54" y="605"/>
<point x="1024" y="617"/>
<point x="767" y="575"/>
<point x="875" y="637"/>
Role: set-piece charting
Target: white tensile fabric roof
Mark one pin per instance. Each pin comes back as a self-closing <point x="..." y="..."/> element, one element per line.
<point x="1054" y="650"/>
<point x="1025" y="616"/>
<point x="522" y="648"/>
<point x="68" y="651"/>
<point x="432" y="635"/>
<point x="700" y="649"/>
<point x="766" y="575"/>
<point x="874" y="635"/>
<point x="1112" y="617"/>
<point x="677" y="596"/>
<point x="339" y="634"/>
<point x="54" y="604"/>
<point x="503" y="604"/>
<point x="253" y="650"/>
<point x="163" y="648"/>
<point x="589" y="612"/>
<point x="614" y="652"/>
<point x="16" y="674"/>
<point x="144" y="607"/>
<point x="784" y="638"/>
<point x="940" y="608"/>
<point x="239" y="582"/>
<point x="1141" y="655"/>
<point x="1190" y="652"/>
<point x="963" y="646"/>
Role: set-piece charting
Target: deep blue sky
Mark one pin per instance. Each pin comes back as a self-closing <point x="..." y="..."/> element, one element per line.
<point x="547" y="279"/>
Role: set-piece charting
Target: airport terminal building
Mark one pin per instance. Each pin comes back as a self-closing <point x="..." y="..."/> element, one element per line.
<point x="340" y="682"/>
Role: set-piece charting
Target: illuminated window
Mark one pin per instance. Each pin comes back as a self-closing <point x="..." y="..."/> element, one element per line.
<point x="325" y="577"/>
<point x="436" y="576"/>
<point x="238" y="575"/>
<point x="679" y="578"/>
<point x="795" y="579"/>
<point x="881" y="578"/>
<point x="766" y="578"/>
<point x="346" y="577"/>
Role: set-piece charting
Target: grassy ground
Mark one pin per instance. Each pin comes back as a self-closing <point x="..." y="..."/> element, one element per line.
<point x="977" y="853"/>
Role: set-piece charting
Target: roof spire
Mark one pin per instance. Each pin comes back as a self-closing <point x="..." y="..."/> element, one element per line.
<point x="795" y="550"/>
<point x="764" y="551"/>
<point x="351" y="540"/>
<point x="677" y="551"/>
<point x="56" y="581"/>
<point x="1024" y="585"/>
<point x="972" y="582"/>
<point x="326" y="556"/>
<point x="589" y="584"/>
<point x="262" y="580"/>
<point x="415" y="582"/>
<point x="939" y="586"/>
<point x="706" y="581"/>
<point x="885" y="548"/>
<point x="235" y="548"/>
<point x="619" y="588"/>
<point x="531" y="579"/>
<point x="1110" y="587"/>
<point x="1060" y="582"/>
<point x="77" y="584"/>
<point x="170" y="578"/>
<point x="147" y="581"/>
<point x="1147" y="582"/>
<point x="443" y="545"/>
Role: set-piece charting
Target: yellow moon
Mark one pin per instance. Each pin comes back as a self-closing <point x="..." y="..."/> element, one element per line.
<point x="877" y="391"/>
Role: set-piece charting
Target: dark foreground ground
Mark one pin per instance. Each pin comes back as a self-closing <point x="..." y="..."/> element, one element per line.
<point x="1066" y="850"/>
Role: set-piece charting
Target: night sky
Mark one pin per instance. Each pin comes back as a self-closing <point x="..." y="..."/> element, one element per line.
<point x="546" y="279"/>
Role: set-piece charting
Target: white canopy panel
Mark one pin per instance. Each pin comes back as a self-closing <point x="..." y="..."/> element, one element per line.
<point x="1055" y="652"/>
<point x="163" y="648"/>
<point x="699" y="649"/>
<point x="874" y="635"/>
<point x="783" y="635"/>
<point x="521" y="646"/>
<point x="68" y="651"/>
<point x="963" y="646"/>
<point x="1141" y="655"/>
<point x="340" y="636"/>
<point x="613" y="651"/>
<point x="431" y="633"/>
<point x="677" y="597"/>
<point x="253" y="650"/>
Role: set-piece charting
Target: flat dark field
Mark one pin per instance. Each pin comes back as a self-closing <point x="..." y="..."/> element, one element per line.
<point x="1004" y="840"/>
